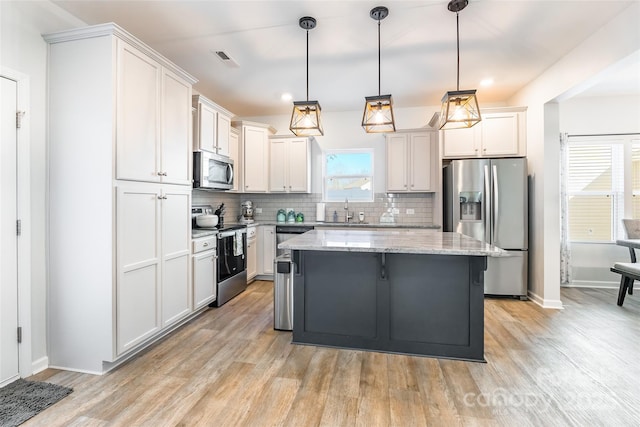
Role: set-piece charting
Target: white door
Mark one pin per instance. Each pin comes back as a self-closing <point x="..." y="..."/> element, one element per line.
<point x="138" y="116"/>
<point x="224" y="132"/>
<point x="397" y="162"/>
<point x="138" y="254"/>
<point x="297" y="161"/>
<point x="420" y="161"/>
<point x="256" y="160"/>
<point x="176" y="254"/>
<point x="176" y="130"/>
<point x="9" y="368"/>
<point x="278" y="178"/>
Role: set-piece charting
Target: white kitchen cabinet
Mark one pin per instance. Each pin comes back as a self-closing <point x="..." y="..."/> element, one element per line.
<point x="289" y="165"/>
<point x="254" y="156"/>
<point x="411" y="162"/>
<point x="211" y="126"/>
<point x="266" y="250"/>
<point x="501" y="133"/>
<point x="204" y="271"/>
<point x="234" y="154"/>
<point x="252" y="253"/>
<point x="153" y="110"/>
<point x="120" y="113"/>
<point x="224" y="133"/>
<point x="153" y="281"/>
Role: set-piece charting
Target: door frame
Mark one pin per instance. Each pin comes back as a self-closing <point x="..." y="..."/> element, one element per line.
<point x="23" y="202"/>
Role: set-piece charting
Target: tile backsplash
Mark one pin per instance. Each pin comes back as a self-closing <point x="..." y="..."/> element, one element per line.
<point x="394" y="204"/>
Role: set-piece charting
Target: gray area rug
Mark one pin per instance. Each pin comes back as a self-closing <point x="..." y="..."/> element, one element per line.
<point x="24" y="399"/>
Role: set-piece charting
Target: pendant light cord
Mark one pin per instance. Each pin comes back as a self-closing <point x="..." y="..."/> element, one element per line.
<point x="379" y="58"/>
<point x="307" y="65"/>
<point x="458" y="50"/>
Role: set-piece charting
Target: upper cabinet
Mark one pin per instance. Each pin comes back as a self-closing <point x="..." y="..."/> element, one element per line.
<point x="254" y="156"/>
<point x="412" y="161"/>
<point x="211" y="127"/>
<point x="234" y="154"/>
<point x="153" y="108"/>
<point x="501" y="133"/>
<point x="290" y="165"/>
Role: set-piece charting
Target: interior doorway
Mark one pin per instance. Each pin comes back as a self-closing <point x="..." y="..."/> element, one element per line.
<point x="9" y="349"/>
<point x="15" y="203"/>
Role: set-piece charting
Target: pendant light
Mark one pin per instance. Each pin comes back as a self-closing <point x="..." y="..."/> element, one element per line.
<point x="305" y="118"/>
<point x="378" y="110"/>
<point x="459" y="107"/>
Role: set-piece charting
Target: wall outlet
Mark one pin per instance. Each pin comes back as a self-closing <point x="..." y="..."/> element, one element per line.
<point x="411" y="211"/>
<point x="258" y="210"/>
<point x="395" y="211"/>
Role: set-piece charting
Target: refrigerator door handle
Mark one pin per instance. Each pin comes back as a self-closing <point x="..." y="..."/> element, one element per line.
<point x="495" y="205"/>
<point x="487" y="205"/>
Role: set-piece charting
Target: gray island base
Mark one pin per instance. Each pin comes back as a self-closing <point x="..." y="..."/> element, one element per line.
<point x="415" y="292"/>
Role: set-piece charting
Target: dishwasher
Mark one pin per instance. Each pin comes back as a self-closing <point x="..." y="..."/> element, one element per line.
<point x="285" y="232"/>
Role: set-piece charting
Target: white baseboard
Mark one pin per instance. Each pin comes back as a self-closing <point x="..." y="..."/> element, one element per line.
<point x="39" y="365"/>
<point x="545" y="303"/>
<point x="591" y="284"/>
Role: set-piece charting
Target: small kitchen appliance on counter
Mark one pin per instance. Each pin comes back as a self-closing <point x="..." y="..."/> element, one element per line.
<point x="246" y="212"/>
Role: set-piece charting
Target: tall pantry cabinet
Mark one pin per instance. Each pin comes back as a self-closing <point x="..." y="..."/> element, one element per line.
<point x="119" y="197"/>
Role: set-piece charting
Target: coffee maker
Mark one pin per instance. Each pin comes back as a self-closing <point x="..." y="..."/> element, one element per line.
<point x="246" y="212"/>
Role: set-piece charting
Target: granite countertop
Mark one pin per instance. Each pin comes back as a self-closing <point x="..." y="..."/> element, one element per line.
<point x="352" y="224"/>
<point x="203" y="232"/>
<point x="398" y="241"/>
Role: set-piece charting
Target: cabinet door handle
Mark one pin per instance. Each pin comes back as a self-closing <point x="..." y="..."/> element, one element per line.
<point x="205" y="244"/>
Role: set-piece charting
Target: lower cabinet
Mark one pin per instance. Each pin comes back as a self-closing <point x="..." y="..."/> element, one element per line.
<point x="266" y="250"/>
<point x="252" y="253"/>
<point x="153" y="273"/>
<point x="204" y="271"/>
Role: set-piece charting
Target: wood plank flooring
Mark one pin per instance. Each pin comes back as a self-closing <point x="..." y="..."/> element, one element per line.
<point x="228" y="367"/>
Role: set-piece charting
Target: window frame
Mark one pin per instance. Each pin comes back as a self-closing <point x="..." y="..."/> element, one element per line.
<point x="621" y="201"/>
<point x="327" y="153"/>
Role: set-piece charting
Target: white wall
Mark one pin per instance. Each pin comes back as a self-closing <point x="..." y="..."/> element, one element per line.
<point x="614" y="43"/>
<point x="23" y="49"/>
<point x="590" y="262"/>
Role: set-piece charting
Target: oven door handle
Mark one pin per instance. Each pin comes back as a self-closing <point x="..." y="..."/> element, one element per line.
<point x="229" y="234"/>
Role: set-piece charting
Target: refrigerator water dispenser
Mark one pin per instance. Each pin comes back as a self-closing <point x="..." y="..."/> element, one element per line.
<point x="471" y="205"/>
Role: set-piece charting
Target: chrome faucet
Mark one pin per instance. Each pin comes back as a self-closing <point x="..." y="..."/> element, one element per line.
<point x="347" y="215"/>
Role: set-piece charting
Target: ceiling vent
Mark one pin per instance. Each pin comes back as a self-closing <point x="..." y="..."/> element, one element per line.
<point x="226" y="59"/>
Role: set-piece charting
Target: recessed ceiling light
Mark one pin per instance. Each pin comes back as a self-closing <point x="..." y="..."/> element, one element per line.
<point x="286" y="97"/>
<point x="486" y="82"/>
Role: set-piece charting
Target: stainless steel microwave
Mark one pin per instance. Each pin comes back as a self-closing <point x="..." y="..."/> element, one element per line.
<point x="212" y="171"/>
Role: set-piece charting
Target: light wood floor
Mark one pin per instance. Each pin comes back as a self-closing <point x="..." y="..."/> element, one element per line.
<point x="228" y="367"/>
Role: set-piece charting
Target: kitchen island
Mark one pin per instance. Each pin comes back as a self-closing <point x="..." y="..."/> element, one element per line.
<point x="415" y="292"/>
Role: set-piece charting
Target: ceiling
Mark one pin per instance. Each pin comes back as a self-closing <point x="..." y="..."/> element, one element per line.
<point x="511" y="42"/>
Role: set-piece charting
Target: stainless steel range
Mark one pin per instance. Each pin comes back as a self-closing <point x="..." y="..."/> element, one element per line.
<point x="231" y="271"/>
<point x="232" y="262"/>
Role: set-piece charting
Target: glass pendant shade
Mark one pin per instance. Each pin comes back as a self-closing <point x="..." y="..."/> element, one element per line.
<point x="378" y="110"/>
<point x="305" y="119"/>
<point x="459" y="109"/>
<point x="378" y="114"/>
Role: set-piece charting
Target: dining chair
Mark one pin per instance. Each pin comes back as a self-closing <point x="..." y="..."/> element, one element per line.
<point x="629" y="271"/>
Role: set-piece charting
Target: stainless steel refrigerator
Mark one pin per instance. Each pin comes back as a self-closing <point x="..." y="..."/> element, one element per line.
<point x="487" y="199"/>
